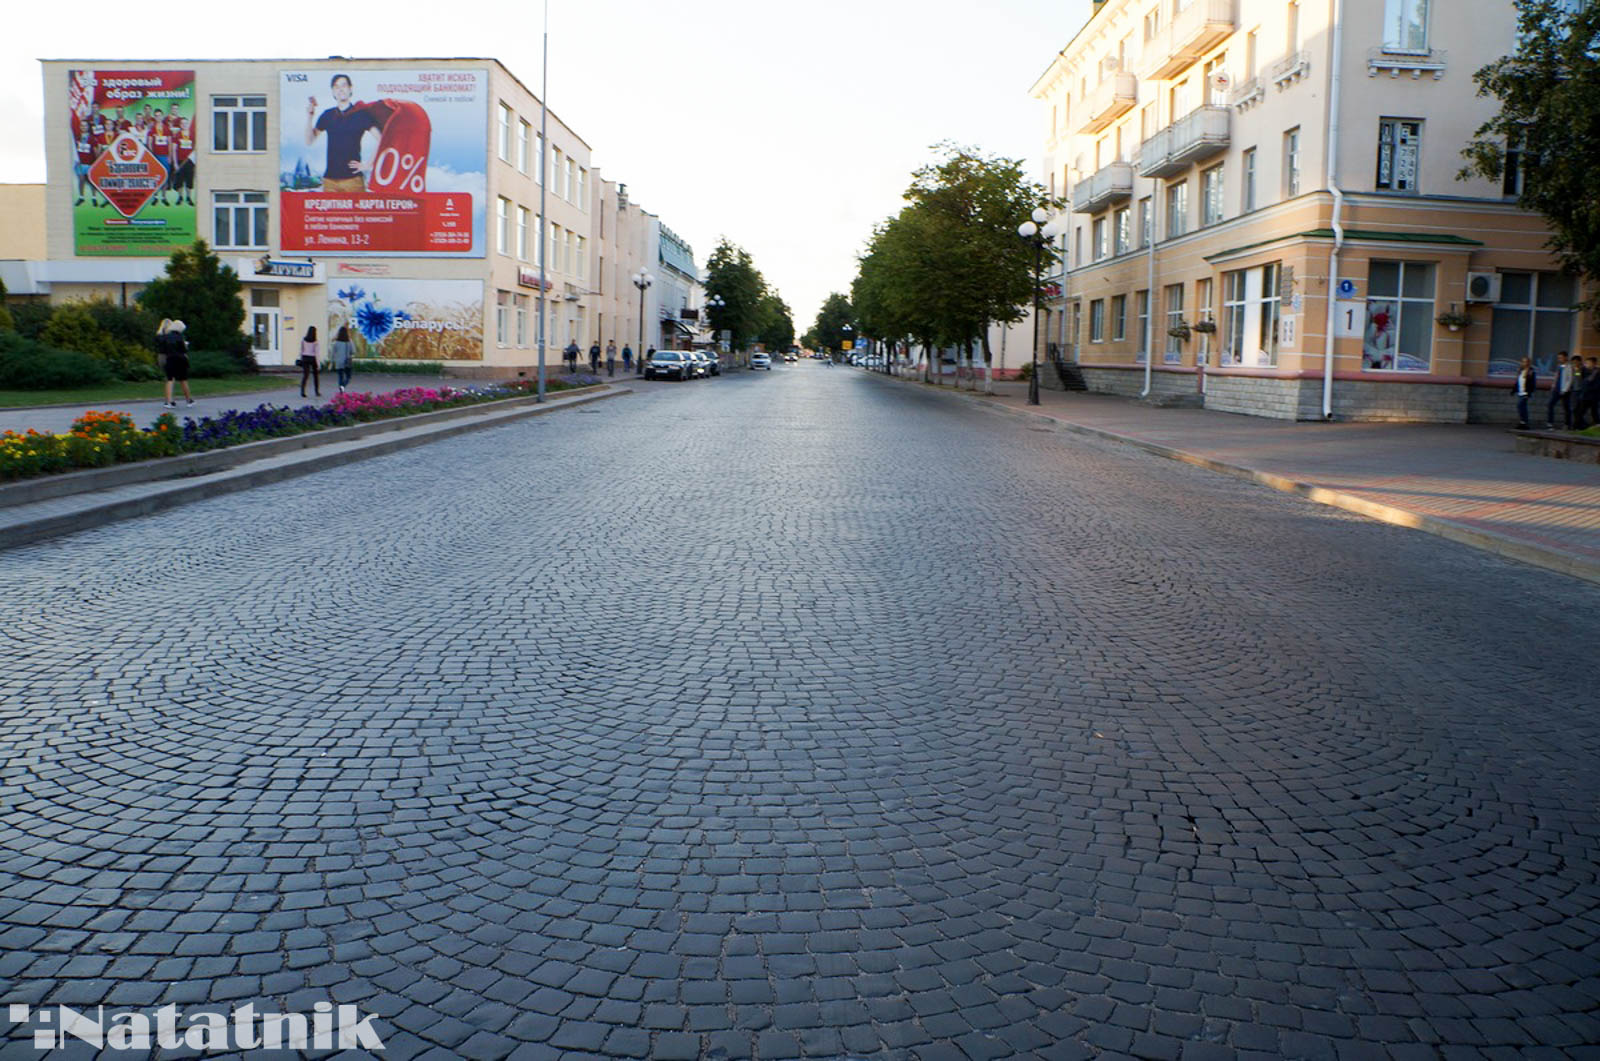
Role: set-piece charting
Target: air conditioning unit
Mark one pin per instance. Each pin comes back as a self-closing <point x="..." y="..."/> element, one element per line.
<point x="1483" y="287"/>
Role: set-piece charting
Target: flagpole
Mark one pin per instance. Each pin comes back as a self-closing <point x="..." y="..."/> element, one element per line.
<point x="544" y="184"/>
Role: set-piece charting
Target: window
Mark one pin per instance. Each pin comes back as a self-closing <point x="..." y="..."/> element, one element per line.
<point x="1097" y="321"/>
<point x="505" y="133"/>
<point x="1141" y="303"/>
<point x="522" y="320"/>
<point x="1292" y="25"/>
<point x="502" y="318"/>
<point x="1516" y="165"/>
<point x="1215" y="81"/>
<point x="503" y="216"/>
<point x="1119" y="311"/>
<point x="538" y="248"/>
<point x="522" y="233"/>
<point x="1152" y="23"/>
<point x="1405" y="26"/>
<point x="555" y="248"/>
<point x="1211" y="195"/>
<point x="1399" y="143"/>
<point x="1077" y="244"/>
<point x="1173" y="354"/>
<point x="1202" y="312"/>
<point x="524" y="134"/>
<point x="1399" y="331"/>
<point x="238" y="123"/>
<point x="1147" y="220"/>
<point x="239" y="220"/>
<point x="1271" y="307"/>
<point x="581" y="247"/>
<point x="570" y="188"/>
<point x="557" y="173"/>
<point x="1247" y="191"/>
<point x="569" y="259"/>
<point x="1121" y="238"/>
<point x="1177" y="209"/>
<point x="538" y="144"/>
<point x="1291" y="163"/>
<point x="1533" y="318"/>
<point x="583" y="187"/>
<point x="1233" y="306"/>
<point x="1098" y="239"/>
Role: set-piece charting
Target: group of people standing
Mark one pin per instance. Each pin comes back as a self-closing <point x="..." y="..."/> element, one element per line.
<point x="1575" y="389"/>
<point x="341" y="355"/>
<point x="570" y="354"/>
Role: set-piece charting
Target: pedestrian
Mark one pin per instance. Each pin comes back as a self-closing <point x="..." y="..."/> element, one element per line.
<point x="1560" y="394"/>
<point x="611" y="357"/>
<point x="1588" y="400"/>
<point x="342" y="352"/>
<point x="1527" y="383"/>
<point x="174" y="351"/>
<point x="309" y="368"/>
<point x="594" y="357"/>
<point x="570" y="355"/>
<point x="627" y="359"/>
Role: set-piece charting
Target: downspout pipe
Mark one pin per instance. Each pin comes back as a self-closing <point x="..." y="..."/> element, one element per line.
<point x="1150" y="296"/>
<point x="1334" y="71"/>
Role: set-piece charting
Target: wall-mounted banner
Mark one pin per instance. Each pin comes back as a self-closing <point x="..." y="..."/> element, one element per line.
<point x="383" y="162"/>
<point x="413" y="320"/>
<point x="133" y="161"/>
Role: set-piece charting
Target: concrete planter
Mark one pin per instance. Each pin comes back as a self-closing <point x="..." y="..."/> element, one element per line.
<point x="1559" y="445"/>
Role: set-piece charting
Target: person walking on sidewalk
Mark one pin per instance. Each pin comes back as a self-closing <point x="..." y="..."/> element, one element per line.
<point x="1527" y="383"/>
<point x="174" y="351"/>
<point x="1560" y="394"/>
<point x="1588" y="397"/>
<point x="627" y="359"/>
<point x="594" y="357"/>
<point x="570" y="355"/>
<point x="611" y="357"/>
<point x="342" y="352"/>
<point x="308" y="362"/>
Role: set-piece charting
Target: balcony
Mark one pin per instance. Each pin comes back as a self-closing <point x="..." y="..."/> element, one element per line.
<point x="1195" y="138"/>
<point x="1110" y="184"/>
<point x="1290" y="69"/>
<point x="1192" y="32"/>
<point x="1111" y="99"/>
<point x="1415" y="63"/>
<point x="1247" y="95"/>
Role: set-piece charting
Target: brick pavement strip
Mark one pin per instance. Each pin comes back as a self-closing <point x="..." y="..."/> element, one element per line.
<point x="798" y="716"/>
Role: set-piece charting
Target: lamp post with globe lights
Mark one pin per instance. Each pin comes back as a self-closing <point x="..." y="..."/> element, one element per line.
<point x="1039" y="231"/>
<point x="714" y="307"/>
<point x="642" y="280"/>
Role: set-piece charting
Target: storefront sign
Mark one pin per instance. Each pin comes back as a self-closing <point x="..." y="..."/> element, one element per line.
<point x="388" y="162"/>
<point x="279" y="269"/>
<point x="527" y="277"/>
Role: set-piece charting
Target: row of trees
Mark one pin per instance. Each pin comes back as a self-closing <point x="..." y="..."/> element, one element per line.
<point x="751" y="310"/>
<point x="950" y="263"/>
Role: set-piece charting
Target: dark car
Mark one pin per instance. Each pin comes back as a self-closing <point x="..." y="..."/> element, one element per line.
<point x="670" y="364"/>
<point x="713" y="362"/>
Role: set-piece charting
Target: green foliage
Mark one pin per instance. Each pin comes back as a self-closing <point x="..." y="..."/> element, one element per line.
<point x="203" y="293"/>
<point x="1549" y="96"/>
<point x="211" y="364"/>
<point x="732" y="276"/>
<point x="72" y="328"/>
<point x="76" y="326"/>
<point x="27" y="364"/>
<point x="133" y="325"/>
<point x="400" y="368"/>
<point x="6" y="322"/>
<point x="831" y="319"/>
<point x="30" y="317"/>
<point x="776" y="328"/>
<point x="1026" y="371"/>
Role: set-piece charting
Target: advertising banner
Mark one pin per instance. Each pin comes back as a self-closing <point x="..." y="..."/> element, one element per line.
<point x="133" y="137"/>
<point x="414" y="320"/>
<point x="383" y="162"/>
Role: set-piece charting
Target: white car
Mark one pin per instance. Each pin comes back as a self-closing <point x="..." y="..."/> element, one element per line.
<point x="761" y="361"/>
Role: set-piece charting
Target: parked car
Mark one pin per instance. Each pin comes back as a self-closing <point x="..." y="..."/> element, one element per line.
<point x="790" y="358"/>
<point x="701" y="363"/>
<point x="670" y="364"/>
<point x="713" y="362"/>
<point x="761" y="361"/>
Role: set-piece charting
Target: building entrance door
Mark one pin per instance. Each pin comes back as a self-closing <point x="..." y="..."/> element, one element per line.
<point x="264" y="327"/>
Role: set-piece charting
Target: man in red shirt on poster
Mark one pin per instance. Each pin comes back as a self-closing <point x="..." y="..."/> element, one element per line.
<point x="183" y="158"/>
<point x="159" y="139"/>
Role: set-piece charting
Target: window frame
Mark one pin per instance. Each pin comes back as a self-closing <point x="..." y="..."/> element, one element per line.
<point x="503" y="134"/>
<point x="1390" y="131"/>
<point x="1399" y="16"/>
<point x="1212" y="188"/>
<point x="257" y="210"/>
<point x="503" y="225"/>
<point x="1291" y="162"/>
<point x="1247" y="181"/>
<point x="238" y="105"/>
<point x="1178" y="208"/>
<point x="1119" y="315"/>
<point x="1405" y="305"/>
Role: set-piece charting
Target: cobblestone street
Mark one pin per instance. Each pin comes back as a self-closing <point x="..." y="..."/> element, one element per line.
<point x="803" y="714"/>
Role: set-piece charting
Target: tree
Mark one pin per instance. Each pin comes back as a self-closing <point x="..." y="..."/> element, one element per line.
<point x="203" y="293"/>
<point x="831" y="319"/>
<point x="776" y="328"/>
<point x="1548" y="128"/>
<point x="6" y="322"/>
<point x="731" y="275"/>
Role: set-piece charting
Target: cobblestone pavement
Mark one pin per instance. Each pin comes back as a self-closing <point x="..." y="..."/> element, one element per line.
<point x="796" y="715"/>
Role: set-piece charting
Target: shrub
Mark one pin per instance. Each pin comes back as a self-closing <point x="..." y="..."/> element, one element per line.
<point x="1026" y="371"/>
<point x="400" y="368"/>
<point x="72" y="327"/>
<point x="30" y="317"/>
<point x="211" y="364"/>
<point x="131" y="325"/>
<point x="201" y="291"/>
<point x="26" y="364"/>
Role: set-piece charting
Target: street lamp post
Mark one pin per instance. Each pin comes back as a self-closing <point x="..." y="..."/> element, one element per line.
<point x="714" y="306"/>
<point x="642" y="280"/>
<point x="848" y="332"/>
<point x="1037" y="232"/>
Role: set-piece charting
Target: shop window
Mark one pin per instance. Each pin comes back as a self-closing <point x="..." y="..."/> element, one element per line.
<point x="1399" y="331"/>
<point x="1534" y="318"/>
<point x="1173" y="353"/>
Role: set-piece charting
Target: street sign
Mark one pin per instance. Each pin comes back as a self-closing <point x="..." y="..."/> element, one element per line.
<point x="847" y="344"/>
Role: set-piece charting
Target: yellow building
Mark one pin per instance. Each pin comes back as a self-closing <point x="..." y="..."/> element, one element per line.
<point x="1287" y="173"/>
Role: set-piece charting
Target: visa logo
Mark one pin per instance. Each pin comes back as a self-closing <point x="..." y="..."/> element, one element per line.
<point x="291" y="78"/>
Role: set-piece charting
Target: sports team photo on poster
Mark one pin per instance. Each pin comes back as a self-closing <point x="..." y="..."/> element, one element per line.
<point x="133" y="139"/>
<point x="390" y="162"/>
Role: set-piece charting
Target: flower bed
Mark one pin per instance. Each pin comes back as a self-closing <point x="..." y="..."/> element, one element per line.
<point x="97" y="439"/>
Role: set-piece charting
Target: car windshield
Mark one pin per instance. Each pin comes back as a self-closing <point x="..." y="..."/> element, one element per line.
<point x="666" y="356"/>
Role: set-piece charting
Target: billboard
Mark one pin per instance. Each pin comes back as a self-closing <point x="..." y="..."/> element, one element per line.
<point x="383" y="162"/>
<point x="413" y="320"/>
<point x="133" y="138"/>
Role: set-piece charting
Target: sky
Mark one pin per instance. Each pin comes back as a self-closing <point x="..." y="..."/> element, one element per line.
<point x="789" y="129"/>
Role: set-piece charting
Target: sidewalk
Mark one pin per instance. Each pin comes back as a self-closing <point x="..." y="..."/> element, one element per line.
<point x="1465" y="482"/>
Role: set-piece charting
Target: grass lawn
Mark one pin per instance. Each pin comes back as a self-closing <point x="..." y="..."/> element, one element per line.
<point x="111" y="393"/>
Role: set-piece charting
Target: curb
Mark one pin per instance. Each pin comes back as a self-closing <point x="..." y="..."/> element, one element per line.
<point x="1499" y="544"/>
<point x="28" y="491"/>
<point x="232" y="479"/>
